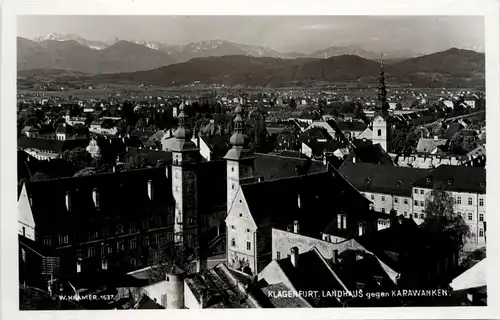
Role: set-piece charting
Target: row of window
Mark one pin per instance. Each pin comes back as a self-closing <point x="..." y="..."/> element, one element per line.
<point x="123" y="245"/>
<point x="470" y="216"/>
<point x="233" y="227"/>
<point x="249" y="244"/>
<point x="396" y="199"/>
<point x="458" y="199"/>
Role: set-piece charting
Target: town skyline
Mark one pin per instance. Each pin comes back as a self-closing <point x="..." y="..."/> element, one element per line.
<point x="303" y="34"/>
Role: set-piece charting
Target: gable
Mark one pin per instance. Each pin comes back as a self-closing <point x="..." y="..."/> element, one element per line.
<point x="239" y="212"/>
<point x="25" y="215"/>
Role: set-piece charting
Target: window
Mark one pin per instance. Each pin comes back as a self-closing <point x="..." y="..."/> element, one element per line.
<point x="119" y="229"/>
<point x="432" y="192"/>
<point x="94" y="235"/>
<point x="145" y="241"/>
<point x="421" y="203"/>
<point x="383" y="198"/>
<point x="396" y="200"/>
<point x="422" y="191"/>
<point x="91" y="252"/>
<point x="63" y="239"/>
<point x="120" y="246"/>
<point x="157" y="255"/>
<point x="459" y="200"/>
<point x="191" y="220"/>
<point x="248" y="230"/>
<point x="133" y="262"/>
<point x="233" y="242"/>
<point x="170" y="236"/>
<point x="170" y="219"/>
<point x="241" y="214"/>
<point x="416" y="203"/>
<point x="158" y="238"/>
<point x="469" y="216"/>
<point x="158" y="222"/>
<point x="78" y="253"/>
<point x="233" y="227"/>
<point x="232" y="169"/>
<point x="379" y="132"/>
<point x="232" y="186"/>
<point x="406" y="201"/>
<point x="372" y="197"/>
<point x="383" y="210"/>
<point x="421" y="216"/>
<point x="481" y="233"/>
<point x="104" y="250"/>
<point x="481" y="202"/>
<point x="416" y="191"/>
<point x="406" y="213"/>
<point x="481" y="217"/>
<point x="249" y="245"/>
<point x="278" y="255"/>
<point x="47" y="241"/>
<point x="469" y="201"/>
<point x="105" y="231"/>
<point x="133" y="244"/>
<point x="132" y="227"/>
<point x="145" y="224"/>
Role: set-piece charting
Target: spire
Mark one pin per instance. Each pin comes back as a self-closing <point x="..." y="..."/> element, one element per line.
<point x="382" y="104"/>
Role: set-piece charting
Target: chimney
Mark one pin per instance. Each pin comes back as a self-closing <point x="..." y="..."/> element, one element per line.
<point x="201" y="264"/>
<point x="68" y="201"/>
<point x="339" y="221"/>
<point x="114" y="168"/>
<point x="354" y="159"/>
<point x="298" y="200"/>
<point x="335" y="256"/>
<point x="296" y="227"/>
<point x="289" y="228"/>
<point x="150" y="189"/>
<point x="294" y="256"/>
<point x="435" y="138"/>
<point x="95" y="197"/>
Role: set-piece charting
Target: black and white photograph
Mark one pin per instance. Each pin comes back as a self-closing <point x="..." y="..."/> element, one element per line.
<point x="251" y="161"/>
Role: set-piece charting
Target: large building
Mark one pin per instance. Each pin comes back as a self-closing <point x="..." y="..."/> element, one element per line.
<point x="120" y="220"/>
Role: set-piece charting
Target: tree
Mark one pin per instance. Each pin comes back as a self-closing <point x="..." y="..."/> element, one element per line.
<point x="79" y="158"/>
<point x="169" y="255"/>
<point x="441" y="218"/>
<point x="86" y="172"/>
<point x="39" y="176"/>
<point x="137" y="161"/>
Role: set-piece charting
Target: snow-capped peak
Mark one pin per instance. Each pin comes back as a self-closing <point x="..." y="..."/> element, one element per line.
<point x="97" y="45"/>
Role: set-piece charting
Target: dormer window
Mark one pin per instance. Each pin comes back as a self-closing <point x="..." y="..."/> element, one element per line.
<point x="429" y="179"/>
<point x="450" y="181"/>
<point x="483" y="184"/>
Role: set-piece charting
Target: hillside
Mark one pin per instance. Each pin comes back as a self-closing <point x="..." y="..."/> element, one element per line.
<point x="73" y="56"/>
<point x="451" y="68"/>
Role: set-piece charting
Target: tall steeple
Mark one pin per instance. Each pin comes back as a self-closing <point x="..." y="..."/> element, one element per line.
<point x="182" y="145"/>
<point x="240" y="159"/>
<point x="382" y="104"/>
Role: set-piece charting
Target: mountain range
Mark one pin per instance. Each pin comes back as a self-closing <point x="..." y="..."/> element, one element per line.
<point x="73" y="52"/>
<point x="453" y="67"/>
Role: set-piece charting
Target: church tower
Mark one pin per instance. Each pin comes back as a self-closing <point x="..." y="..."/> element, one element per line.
<point x="381" y="121"/>
<point x="240" y="159"/>
<point x="184" y="155"/>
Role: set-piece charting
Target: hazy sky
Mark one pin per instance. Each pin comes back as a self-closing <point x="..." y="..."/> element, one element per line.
<point x="283" y="33"/>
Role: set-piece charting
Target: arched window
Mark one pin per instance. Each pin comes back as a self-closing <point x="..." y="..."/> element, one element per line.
<point x="379" y="132"/>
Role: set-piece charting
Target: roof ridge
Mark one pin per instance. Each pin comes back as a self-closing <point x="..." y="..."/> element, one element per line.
<point x="285" y="178"/>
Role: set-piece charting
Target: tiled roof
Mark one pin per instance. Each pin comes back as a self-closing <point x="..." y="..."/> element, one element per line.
<point x="219" y="287"/>
<point x="219" y="145"/>
<point x="358" y="126"/>
<point x="312" y="272"/>
<point x="429" y="144"/>
<point x="315" y="133"/>
<point x="275" y="203"/>
<point x="370" y="153"/>
<point x="52" y="145"/>
<point x="379" y="178"/>
<point x="272" y="167"/>
<point x="152" y="157"/>
<point x="122" y="195"/>
<point x="65" y="128"/>
<point x="455" y="178"/>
